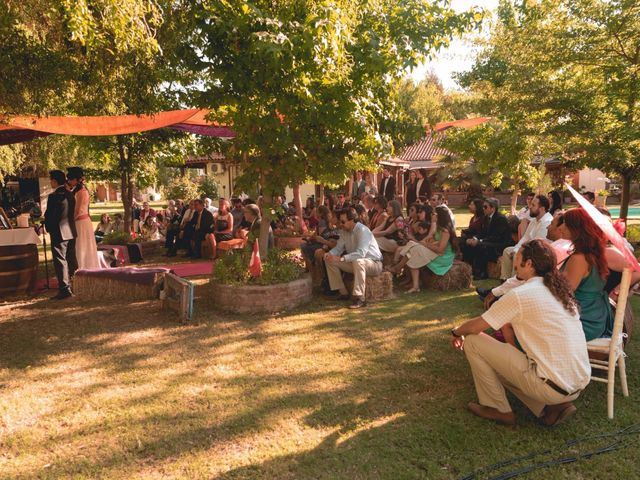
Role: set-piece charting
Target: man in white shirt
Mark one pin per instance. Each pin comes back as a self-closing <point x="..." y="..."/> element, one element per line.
<point x="208" y="205"/>
<point x="537" y="228"/>
<point x="553" y="367"/>
<point x="361" y="257"/>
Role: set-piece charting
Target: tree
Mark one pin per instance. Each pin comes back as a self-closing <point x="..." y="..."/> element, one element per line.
<point x="566" y="72"/>
<point x="307" y="84"/>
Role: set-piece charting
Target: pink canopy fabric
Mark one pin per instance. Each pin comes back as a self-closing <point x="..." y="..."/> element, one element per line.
<point x="25" y="128"/>
<point x="607" y="227"/>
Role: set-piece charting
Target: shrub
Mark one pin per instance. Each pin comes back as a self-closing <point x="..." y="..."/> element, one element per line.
<point x="184" y="188"/>
<point x="280" y="266"/>
<point x="209" y="188"/>
<point x="117" y="238"/>
<point x="633" y="233"/>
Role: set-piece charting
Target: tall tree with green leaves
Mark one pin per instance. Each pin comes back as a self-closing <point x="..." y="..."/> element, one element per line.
<point x="307" y="84"/>
<point x="564" y="74"/>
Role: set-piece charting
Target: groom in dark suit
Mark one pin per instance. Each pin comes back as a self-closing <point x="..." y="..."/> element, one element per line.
<point x="58" y="219"/>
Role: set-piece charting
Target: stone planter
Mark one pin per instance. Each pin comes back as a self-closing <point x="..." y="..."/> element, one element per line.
<point x="262" y="298"/>
<point x="288" y="243"/>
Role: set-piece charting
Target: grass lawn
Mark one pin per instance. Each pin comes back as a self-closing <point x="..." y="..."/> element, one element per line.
<point x="123" y="391"/>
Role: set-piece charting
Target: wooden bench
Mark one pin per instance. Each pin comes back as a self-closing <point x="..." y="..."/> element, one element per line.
<point x="459" y="277"/>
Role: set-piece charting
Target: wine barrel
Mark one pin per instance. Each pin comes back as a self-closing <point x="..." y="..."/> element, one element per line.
<point x="18" y="268"/>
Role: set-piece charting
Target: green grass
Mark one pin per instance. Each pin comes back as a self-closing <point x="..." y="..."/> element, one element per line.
<point x="123" y="391"/>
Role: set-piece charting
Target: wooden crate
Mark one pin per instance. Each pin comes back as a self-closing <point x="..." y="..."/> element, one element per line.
<point x="177" y="295"/>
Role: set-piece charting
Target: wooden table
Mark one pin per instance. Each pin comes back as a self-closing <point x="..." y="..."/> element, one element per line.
<point x="18" y="260"/>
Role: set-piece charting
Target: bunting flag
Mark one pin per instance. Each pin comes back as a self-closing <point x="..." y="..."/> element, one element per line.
<point x="255" y="265"/>
<point x="607" y="227"/>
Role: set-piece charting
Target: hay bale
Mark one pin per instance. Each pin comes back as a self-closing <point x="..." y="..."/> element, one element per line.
<point x="90" y="287"/>
<point x="378" y="287"/>
<point x="387" y="259"/>
<point x="459" y="277"/>
<point x="494" y="269"/>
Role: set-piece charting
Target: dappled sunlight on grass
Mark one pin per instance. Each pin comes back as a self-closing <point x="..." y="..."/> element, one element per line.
<point x="320" y="392"/>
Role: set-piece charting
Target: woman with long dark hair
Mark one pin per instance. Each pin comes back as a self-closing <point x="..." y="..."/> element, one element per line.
<point x="586" y="270"/>
<point x="388" y="234"/>
<point x="476" y="222"/>
<point x="555" y="199"/>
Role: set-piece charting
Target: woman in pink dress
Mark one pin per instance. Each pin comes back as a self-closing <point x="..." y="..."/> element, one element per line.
<point x="86" y="248"/>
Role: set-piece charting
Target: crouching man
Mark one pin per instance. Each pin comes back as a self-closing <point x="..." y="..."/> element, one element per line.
<point x="362" y="257"/>
<point x="553" y="367"/>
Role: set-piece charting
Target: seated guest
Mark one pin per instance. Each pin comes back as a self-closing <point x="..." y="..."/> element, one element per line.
<point x="180" y="232"/>
<point x="555" y="201"/>
<point x="436" y="252"/>
<point x="309" y="214"/>
<point x="237" y="212"/>
<point x="540" y="219"/>
<point x="363" y="215"/>
<point x="171" y="210"/>
<point x="222" y="226"/>
<point x="488" y="246"/>
<point x="388" y="234"/>
<point x="475" y="223"/>
<point x="149" y="230"/>
<point x="586" y="270"/>
<point x="523" y="214"/>
<point x="341" y="203"/>
<point x="437" y="200"/>
<point x="118" y="223"/>
<point x="104" y="228"/>
<point x="357" y="252"/>
<point x="202" y="225"/>
<point x="590" y="196"/>
<point x="163" y="225"/>
<point x="254" y="220"/>
<point x="145" y="213"/>
<point x="208" y="205"/>
<point x="326" y="238"/>
<point x="380" y="215"/>
<point x="553" y="366"/>
<point x="329" y="202"/>
<point x="514" y="227"/>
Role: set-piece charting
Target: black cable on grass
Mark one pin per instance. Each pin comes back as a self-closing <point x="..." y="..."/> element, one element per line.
<point x="630" y="430"/>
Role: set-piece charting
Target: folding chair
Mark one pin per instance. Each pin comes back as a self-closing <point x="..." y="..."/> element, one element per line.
<point x="613" y="347"/>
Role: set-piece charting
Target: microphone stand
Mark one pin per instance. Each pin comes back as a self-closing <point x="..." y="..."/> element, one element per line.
<point x="46" y="262"/>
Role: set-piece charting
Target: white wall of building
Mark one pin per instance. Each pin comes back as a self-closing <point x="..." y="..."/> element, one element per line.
<point x="592" y="180"/>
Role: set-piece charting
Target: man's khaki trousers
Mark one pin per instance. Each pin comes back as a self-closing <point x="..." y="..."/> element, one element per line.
<point x="506" y="263"/>
<point x="360" y="269"/>
<point x="496" y="365"/>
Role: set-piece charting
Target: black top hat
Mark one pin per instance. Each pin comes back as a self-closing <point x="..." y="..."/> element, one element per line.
<point x="75" y="173"/>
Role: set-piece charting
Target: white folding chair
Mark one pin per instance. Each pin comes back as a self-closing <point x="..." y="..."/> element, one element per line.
<point x="613" y="347"/>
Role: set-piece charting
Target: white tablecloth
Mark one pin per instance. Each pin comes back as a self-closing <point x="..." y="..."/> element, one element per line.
<point x="18" y="236"/>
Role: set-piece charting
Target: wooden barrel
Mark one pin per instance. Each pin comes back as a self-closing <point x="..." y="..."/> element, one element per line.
<point x="18" y="268"/>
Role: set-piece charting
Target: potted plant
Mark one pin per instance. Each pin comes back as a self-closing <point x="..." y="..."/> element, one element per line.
<point x="601" y="198"/>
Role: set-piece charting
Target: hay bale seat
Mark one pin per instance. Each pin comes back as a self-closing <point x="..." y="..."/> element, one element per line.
<point x="288" y="243"/>
<point x="126" y="284"/>
<point x="150" y="247"/>
<point x="378" y="287"/>
<point x="233" y="244"/>
<point x="494" y="269"/>
<point x="387" y="259"/>
<point x="459" y="277"/>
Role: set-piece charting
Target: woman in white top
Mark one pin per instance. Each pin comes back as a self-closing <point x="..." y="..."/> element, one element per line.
<point x="86" y="248"/>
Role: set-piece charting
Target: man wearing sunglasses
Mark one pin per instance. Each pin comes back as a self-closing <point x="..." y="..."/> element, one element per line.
<point x="489" y="245"/>
<point x="361" y="257"/>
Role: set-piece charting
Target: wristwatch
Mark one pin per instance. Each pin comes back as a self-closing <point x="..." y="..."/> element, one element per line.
<point x="453" y="332"/>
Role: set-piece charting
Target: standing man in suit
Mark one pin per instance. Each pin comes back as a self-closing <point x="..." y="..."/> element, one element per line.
<point x="358" y="188"/>
<point x="488" y="246"/>
<point x="59" y="221"/>
<point x="387" y="185"/>
<point x="423" y="185"/>
<point x="202" y="222"/>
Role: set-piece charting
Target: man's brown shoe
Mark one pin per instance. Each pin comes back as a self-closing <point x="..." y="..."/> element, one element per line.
<point x="490" y="413"/>
<point x="553" y="415"/>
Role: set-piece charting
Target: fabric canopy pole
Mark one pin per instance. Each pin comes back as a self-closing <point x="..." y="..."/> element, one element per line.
<point x="25" y="128"/>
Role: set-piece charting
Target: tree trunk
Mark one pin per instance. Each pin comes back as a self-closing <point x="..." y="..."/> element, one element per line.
<point x="267" y="203"/>
<point x="626" y="195"/>
<point x="126" y="185"/>
<point x="297" y="201"/>
<point x="514" y="200"/>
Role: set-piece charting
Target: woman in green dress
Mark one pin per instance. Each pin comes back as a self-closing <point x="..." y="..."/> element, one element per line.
<point x="587" y="271"/>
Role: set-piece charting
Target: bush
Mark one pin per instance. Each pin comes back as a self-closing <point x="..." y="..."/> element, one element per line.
<point x="182" y="188"/>
<point x="280" y="266"/>
<point x="633" y="233"/>
<point x="117" y="238"/>
<point x="209" y="188"/>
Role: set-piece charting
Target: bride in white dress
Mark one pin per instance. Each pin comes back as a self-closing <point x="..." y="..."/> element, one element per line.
<point x="86" y="248"/>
